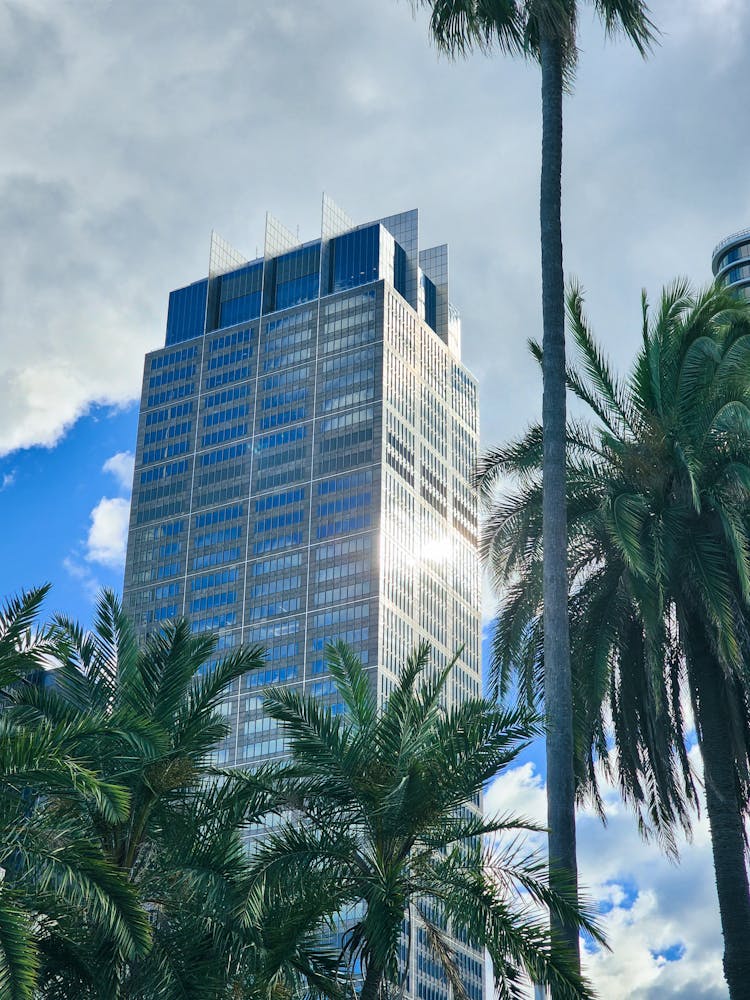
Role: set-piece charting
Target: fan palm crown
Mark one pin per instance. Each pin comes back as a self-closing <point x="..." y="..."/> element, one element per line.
<point x="51" y="871"/>
<point x="659" y="558"/>
<point x="384" y="808"/>
<point x="178" y="840"/>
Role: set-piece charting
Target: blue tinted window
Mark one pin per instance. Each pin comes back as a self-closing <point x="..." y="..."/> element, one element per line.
<point x="240" y="309"/>
<point x="430" y="302"/>
<point x="187" y="312"/>
<point x="306" y="260"/>
<point x="236" y="297"/>
<point x="244" y="281"/>
<point x="399" y="269"/>
<point x="356" y="258"/>
<point x="292" y="278"/>
<point x="292" y="293"/>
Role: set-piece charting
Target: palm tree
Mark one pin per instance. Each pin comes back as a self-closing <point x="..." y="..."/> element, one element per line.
<point x="659" y="558"/>
<point x="180" y="842"/>
<point x="546" y="31"/>
<point x="50" y="870"/>
<point x="381" y="811"/>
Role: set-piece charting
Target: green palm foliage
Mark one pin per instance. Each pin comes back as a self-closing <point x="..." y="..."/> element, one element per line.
<point x="51" y="871"/>
<point x="177" y="842"/>
<point x="22" y="644"/>
<point x="546" y="32"/>
<point x="658" y="487"/>
<point x="522" y="27"/>
<point x="384" y="810"/>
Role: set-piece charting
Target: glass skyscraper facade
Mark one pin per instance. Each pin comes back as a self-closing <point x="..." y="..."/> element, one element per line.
<point x="305" y="447"/>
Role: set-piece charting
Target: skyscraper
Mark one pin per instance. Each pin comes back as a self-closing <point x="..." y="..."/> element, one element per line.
<point x="730" y="262"/>
<point x="305" y="446"/>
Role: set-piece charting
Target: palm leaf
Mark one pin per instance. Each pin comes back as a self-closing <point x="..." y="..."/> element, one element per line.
<point x="19" y="960"/>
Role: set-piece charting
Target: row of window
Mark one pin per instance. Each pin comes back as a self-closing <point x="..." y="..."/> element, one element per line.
<point x="347" y="592"/>
<point x="169" y="413"/>
<point x="226" y="378"/>
<point x="280" y="438"/>
<point x="167" y="395"/>
<point x="220" y="600"/>
<point x="345" y="442"/>
<point x="287" y="378"/>
<point x="167" y="433"/>
<point x="342" y="504"/>
<point x="280" y="585"/>
<point x="277" y="542"/>
<point x="208" y="538"/>
<point x="219" y="516"/>
<point x="165" y="451"/>
<point x="211" y="580"/>
<point x="224" y="454"/>
<point x="280" y="521"/>
<point x="272" y="481"/>
<point x="345" y="483"/>
<point x="276" y="500"/>
<point x="157" y="512"/>
<point x="288" y="561"/>
<point x="226" y="396"/>
<point x="366" y="394"/>
<point x="340" y="571"/>
<point x="225" y="434"/>
<point x="356" y="522"/>
<point x="346" y="547"/>
<point x="170" y="376"/>
<point x="165" y="471"/>
<point x="274" y="362"/>
<point x="170" y="489"/>
<point x="287" y="607"/>
<point x="227" y="415"/>
<point x="229" y="358"/>
<point x="270" y="676"/>
<point x="214" y="622"/>
<point x="263" y="748"/>
<point x="283" y="398"/>
<point x="219" y="558"/>
<point x="173" y="358"/>
<point x="349" y="458"/>
<point x="278" y="419"/>
<point x="233" y="339"/>
<point x="218" y="495"/>
<point x="238" y="471"/>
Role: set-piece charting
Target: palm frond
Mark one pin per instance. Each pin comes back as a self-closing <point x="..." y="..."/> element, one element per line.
<point x="19" y="959"/>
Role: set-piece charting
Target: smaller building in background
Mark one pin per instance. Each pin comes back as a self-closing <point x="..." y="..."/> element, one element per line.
<point x="730" y="262"/>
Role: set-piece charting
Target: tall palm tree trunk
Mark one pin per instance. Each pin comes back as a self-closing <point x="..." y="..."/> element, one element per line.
<point x="725" y="819"/>
<point x="557" y="679"/>
<point x="373" y="981"/>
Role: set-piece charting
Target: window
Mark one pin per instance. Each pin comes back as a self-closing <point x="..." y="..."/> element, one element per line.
<point x="355" y="258"/>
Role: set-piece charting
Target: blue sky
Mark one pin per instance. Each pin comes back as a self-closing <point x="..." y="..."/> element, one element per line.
<point x="130" y="130"/>
<point x="47" y="503"/>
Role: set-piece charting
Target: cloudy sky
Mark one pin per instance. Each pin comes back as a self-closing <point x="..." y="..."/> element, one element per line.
<point x="131" y="129"/>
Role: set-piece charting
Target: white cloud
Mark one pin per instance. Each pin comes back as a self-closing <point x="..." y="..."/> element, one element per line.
<point x="108" y="533"/>
<point x="660" y="918"/>
<point x="8" y="480"/>
<point x="88" y="581"/>
<point x="107" y="203"/>
<point x="121" y="467"/>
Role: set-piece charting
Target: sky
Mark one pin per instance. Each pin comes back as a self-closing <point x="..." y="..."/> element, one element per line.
<point x="132" y="129"/>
